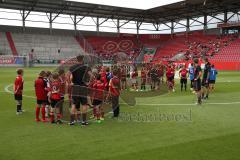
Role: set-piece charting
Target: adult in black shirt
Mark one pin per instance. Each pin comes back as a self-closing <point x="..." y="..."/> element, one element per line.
<point x="205" y="82"/>
<point x="80" y="76"/>
<point x="154" y="78"/>
<point x="197" y="80"/>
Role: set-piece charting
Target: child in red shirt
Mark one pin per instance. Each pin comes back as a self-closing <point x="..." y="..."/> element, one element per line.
<point x="18" y="90"/>
<point x="183" y="74"/>
<point x="134" y="79"/>
<point x="55" y="98"/>
<point x="170" y="73"/>
<point x="41" y="95"/>
<point x="114" y="91"/>
<point x="98" y="97"/>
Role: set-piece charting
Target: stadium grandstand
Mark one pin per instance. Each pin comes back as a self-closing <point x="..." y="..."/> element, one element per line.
<point x="196" y="28"/>
<point x="119" y="79"/>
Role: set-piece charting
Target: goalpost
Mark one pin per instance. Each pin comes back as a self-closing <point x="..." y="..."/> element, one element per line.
<point x="14" y="61"/>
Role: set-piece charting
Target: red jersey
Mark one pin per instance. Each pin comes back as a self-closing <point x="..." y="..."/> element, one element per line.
<point x="18" y="85"/>
<point x="62" y="80"/>
<point x="160" y="71"/>
<point x="99" y="89"/>
<point x="55" y="90"/>
<point x="134" y="74"/>
<point x="40" y="89"/>
<point x="123" y="73"/>
<point x="143" y="74"/>
<point x="104" y="78"/>
<point x="183" y="73"/>
<point x="170" y="73"/>
<point x="115" y="86"/>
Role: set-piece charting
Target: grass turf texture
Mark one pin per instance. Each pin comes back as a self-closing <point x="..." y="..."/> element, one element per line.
<point x="212" y="133"/>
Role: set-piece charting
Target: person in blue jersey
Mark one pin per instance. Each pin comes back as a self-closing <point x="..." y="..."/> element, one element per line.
<point x="212" y="78"/>
<point x="191" y="75"/>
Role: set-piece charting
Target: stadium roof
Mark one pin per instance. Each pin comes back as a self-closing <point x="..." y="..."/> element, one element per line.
<point x="163" y="14"/>
<point x="135" y="4"/>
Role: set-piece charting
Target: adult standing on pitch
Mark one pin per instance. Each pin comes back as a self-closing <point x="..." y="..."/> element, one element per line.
<point x="205" y="80"/>
<point x="79" y="77"/>
<point x="197" y="81"/>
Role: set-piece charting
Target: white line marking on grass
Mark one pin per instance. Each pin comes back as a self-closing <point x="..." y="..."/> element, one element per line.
<point x="179" y="104"/>
<point x="11" y="92"/>
<point x="142" y="104"/>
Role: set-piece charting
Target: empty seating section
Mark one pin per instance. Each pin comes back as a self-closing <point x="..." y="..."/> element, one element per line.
<point x="170" y="48"/>
<point x="48" y="47"/>
<point x="4" y="45"/>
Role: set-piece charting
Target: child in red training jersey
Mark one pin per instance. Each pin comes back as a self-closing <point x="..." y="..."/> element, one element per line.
<point x="41" y="95"/>
<point x="47" y="81"/>
<point x="170" y="78"/>
<point x="98" y="89"/>
<point x="55" y="98"/>
<point x="183" y="74"/>
<point x="114" y="91"/>
<point x="18" y="90"/>
<point x="134" y="79"/>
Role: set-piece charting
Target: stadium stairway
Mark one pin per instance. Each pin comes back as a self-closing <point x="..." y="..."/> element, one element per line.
<point x="4" y="45"/>
<point x="11" y="43"/>
<point x="171" y="47"/>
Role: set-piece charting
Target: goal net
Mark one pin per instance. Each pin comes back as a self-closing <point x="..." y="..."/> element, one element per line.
<point x="13" y="61"/>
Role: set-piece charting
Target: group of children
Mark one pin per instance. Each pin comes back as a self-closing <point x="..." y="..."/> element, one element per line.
<point x="51" y="88"/>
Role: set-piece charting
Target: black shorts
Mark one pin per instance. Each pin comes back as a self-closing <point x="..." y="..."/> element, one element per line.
<point x="204" y="83"/>
<point x="192" y="81"/>
<point x="54" y="103"/>
<point x="171" y="78"/>
<point x="40" y="102"/>
<point x="123" y="79"/>
<point x="197" y="85"/>
<point x="96" y="102"/>
<point x="79" y="95"/>
<point x="77" y="100"/>
<point x="183" y="81"/>
<point x="47" y="102"/>
<point x="18" y="97"/>
<point x="212" y="81"/>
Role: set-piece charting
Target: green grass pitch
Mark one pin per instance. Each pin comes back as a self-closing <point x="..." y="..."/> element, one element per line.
<point x="211" y="131"/>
